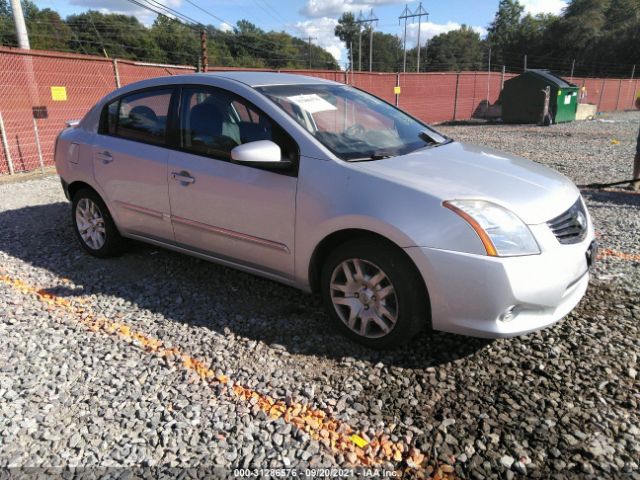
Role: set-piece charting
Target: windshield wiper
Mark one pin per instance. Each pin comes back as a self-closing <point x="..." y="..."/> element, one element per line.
<point x="374" y="156"/>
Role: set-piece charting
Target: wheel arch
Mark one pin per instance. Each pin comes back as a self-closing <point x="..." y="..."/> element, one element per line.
<point x="339" y="237"/>
<point x="75" y="187"/>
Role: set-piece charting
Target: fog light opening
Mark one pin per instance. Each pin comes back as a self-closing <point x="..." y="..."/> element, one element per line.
<point x="509" y="314"/>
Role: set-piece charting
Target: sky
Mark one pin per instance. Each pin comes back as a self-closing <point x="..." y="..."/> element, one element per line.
<point x="317" y="18"/>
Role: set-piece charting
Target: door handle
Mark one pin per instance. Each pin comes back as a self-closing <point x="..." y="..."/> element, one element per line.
<point x="106" y="157"/>
<point x="183" y="177"/>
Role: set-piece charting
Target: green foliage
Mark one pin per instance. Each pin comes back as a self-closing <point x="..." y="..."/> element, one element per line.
<point x="166" y="41"/>
<point x="458" y="50"/>
<point x="601" y="35"/>
<point x="387" y="48"/>
<point x="177" y="43"/>
<point x="47" y="30"/>
<point x="504" y="31"/>
<point x="387" y="52"/>
<point x="347" y="30"/>
<point x="7" y="33"/>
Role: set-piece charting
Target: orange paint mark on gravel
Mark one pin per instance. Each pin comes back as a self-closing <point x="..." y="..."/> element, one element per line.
<point x="607" y="252"/>
<point x="335" y="435"/>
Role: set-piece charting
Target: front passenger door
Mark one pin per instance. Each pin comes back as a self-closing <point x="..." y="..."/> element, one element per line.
<point x="235" y="212"/>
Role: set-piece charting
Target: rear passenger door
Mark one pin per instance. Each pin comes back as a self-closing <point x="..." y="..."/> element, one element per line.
<point x="130" y="162"/>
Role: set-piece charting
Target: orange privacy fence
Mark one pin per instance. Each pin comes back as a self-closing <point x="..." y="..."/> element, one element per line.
<point x="67" y="85"/>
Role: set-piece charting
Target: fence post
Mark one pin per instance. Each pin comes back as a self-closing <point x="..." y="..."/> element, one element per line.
<point x="5" y="145"/>
<point x="455" y="99"/>
<point x="633" y="90"/>
<point x="116" y="73"/>
<point x="601" y="93"/>
<point x="475" y="81"/>
<point x="502" y="78"/>
<point x="37" y="134"/>
<point x="618" y="97"/>
<point x="398" y="85"/>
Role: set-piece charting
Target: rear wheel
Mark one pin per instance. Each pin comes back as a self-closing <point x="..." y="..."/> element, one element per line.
<point x="373" y="293"/>
<point x="94" y="226"/>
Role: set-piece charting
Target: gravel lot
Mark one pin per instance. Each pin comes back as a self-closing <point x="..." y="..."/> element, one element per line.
<point x="559" y="403"/>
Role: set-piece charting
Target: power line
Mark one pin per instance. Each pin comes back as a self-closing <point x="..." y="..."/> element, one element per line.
<point x="161" y="13"/>
<point x="175" y="12"/>
<point x="207" y="12"/>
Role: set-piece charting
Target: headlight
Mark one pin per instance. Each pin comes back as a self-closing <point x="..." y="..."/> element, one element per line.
<point x="502" y="233"/>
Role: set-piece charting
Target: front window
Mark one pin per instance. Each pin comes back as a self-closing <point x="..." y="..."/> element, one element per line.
<point x="214" y="121"/>
<point x="351" y="123"/>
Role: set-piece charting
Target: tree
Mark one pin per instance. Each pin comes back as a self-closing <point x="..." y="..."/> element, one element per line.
<point x="504" y="30"/>
<point x="533" y="39"/>
<point x="387" y="51"/>
<point x="47" y="31"/>
<point x="177" y="43"/>
<point x="621" y="13"/>
<point x="347" y="30"/>
<point x="7" y="32"/>
<point x="458" y="50"/>
<point x="112" y="35"/>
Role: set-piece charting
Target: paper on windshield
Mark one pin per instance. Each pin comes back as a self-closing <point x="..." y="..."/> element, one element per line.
<point x="312" y="103"/>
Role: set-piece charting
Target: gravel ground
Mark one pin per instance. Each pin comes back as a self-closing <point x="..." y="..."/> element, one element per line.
<point x="558" y="403"/>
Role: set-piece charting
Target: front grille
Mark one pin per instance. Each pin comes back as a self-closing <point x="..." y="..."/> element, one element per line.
<point x="571" y="226"/>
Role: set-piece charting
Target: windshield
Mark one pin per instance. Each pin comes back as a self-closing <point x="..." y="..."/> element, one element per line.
<point x="351" y="123"/>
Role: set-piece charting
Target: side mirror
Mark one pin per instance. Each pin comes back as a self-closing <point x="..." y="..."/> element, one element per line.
<point x="262" y="153"/>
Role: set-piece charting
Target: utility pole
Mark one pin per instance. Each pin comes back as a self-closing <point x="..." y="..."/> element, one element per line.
<point x="404" y="15"/>
<point x="370" y="20"/>
<point x="310" y="39"/>
<point x="573" y="67"/>
<point x="203" y="50"/>
<point x="21" y="27"/>
<point x="420" y="12"/>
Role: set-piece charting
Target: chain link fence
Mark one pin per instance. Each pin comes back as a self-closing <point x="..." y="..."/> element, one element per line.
<point x="40" y="91"/>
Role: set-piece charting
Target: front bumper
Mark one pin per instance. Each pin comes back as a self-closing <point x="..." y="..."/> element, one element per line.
<point x="472" y="294"/>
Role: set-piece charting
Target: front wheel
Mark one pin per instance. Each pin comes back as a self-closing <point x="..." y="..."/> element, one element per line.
<point x="94" y="226"/>
<point x="373" y="293"/>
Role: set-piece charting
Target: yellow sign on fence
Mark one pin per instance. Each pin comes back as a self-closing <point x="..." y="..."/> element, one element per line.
<point x="59" y="94"/>
<point x="396" y="90"/>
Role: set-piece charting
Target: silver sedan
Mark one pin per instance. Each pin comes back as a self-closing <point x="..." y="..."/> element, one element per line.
<point x="324" y="187"/>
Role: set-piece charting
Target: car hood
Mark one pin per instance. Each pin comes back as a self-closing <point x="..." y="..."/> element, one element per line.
<point x="457" y="170"/>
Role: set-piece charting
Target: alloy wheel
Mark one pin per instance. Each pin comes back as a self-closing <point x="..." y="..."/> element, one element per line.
<point x="90" y="224"/>
<point x="364" y="298"/>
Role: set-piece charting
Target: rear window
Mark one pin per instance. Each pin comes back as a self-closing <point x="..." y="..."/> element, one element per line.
<point x="140" y="116"/>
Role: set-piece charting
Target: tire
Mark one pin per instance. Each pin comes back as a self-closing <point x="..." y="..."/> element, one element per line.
<point x="103" y="239"/>
<point x="400" y="294"/>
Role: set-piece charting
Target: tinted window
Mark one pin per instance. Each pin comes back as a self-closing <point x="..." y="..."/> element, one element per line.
<point x="214" y="122"/>
<point x="140" y="116"/>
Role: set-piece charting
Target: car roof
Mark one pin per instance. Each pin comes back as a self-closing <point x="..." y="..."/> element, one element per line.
<point x="262" y="79"/>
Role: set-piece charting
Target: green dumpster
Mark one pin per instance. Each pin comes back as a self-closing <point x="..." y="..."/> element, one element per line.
<point x="523" y="98"/>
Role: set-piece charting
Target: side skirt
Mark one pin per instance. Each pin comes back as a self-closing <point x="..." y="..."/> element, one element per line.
<point x="221" y="261"/>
